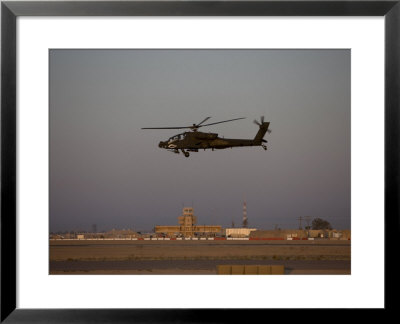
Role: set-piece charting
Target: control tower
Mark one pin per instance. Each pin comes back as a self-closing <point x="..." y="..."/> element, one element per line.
<point x="187" y="226"/>
<point x="187" y="221"/>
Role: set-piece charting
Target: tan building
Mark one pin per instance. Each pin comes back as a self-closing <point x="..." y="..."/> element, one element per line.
<point x="302" y="234"/>
<point x="238" y="232"/>
<point x="187" y="226"/>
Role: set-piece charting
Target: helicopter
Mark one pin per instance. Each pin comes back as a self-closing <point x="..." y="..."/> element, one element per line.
<point x="193" y="141"/>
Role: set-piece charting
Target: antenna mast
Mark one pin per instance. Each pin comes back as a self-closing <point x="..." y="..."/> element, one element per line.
<point x="244" y="214"/>
<point x="300" y="219"/>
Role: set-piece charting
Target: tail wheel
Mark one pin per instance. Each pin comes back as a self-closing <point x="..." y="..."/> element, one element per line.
<point x="264" y="147"/>
<point x="187" y="154"/>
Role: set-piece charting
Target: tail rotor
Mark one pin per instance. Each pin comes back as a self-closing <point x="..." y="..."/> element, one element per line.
<point x="260" y="123"/>
<point x="257" y="122"/>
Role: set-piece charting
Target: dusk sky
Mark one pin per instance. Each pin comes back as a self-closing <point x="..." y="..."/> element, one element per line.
<point x="106" y="170"/>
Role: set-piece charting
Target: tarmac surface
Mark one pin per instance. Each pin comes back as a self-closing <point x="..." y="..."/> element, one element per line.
<point x="194" y="266"/>
<point x="196" y="257"/>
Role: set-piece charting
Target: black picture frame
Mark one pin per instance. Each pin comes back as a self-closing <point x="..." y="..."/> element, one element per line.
<point x="10" y="10"/>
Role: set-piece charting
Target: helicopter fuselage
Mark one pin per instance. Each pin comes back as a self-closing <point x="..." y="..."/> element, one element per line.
<point x="193" y="141"/>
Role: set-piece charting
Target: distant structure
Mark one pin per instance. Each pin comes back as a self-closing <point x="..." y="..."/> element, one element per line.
<point x="238" y="232"/>
<point x="187" y="226"/>
<point x="296" y="234"/>
<point x="300" y="219"/>
<point x="244" y="224"/>
<point x="187" y="221"/>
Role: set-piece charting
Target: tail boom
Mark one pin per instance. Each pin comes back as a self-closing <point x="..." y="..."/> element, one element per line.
<point x="261" y="132"/>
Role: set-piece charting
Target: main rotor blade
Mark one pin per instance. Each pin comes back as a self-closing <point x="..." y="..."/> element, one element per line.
<point x="203" y="121"/>
<point x="165" y="127"/>
<point x="194" y="126"/>
<point x="225" y="121"/>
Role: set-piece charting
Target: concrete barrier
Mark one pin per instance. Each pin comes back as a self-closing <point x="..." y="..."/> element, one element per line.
<point x="211" y="238"/>
<point x="195" y="238"/>
<point x="277" y="269"/>
<point x="250" y="269"/>
<point x="179" y="238"/>
<point x="224" y="269"/>
<point x="238" y="269"/>
<point x="264" y="269"/>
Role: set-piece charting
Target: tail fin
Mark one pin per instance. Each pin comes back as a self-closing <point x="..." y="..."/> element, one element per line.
<point x="261" y="132"/>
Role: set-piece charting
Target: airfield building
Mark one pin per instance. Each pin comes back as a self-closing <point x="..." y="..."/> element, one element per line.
<point x="188" y="227"/>
<point x="238" y="232"/>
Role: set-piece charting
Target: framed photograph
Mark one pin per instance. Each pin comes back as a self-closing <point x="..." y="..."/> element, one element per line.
<point x="149" y="147"/>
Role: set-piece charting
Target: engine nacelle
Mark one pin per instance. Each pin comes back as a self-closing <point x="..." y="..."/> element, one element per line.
<point x="205" y="136"/>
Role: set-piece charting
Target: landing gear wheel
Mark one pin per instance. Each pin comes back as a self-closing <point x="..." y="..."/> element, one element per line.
<point x="186" y="154"/>
<point x="264" y="147"/>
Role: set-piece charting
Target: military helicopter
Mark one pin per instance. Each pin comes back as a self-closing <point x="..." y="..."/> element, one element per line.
<point x="194" y="140"/>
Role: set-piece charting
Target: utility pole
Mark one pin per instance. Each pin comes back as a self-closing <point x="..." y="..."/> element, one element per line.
<point x="244" y="214"/>
<point x="300" y="219"/>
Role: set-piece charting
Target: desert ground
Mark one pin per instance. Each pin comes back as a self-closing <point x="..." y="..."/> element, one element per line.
<point x="196" y="257"/>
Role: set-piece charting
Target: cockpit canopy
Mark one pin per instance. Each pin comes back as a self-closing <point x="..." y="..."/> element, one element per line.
<point x="176" y="137"/>
<point x="193" y="135"/>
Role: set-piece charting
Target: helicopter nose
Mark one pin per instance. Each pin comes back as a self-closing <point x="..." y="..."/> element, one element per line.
<point x="161" y="144"/>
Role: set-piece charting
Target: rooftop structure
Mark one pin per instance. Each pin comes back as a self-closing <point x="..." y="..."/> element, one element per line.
<point x="187" y="226"/>
<point x="238" y="232"/>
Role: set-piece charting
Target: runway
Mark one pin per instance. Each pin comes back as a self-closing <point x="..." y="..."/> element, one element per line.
<point x="194" y="266"/>
<point x="191" y="257"/>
